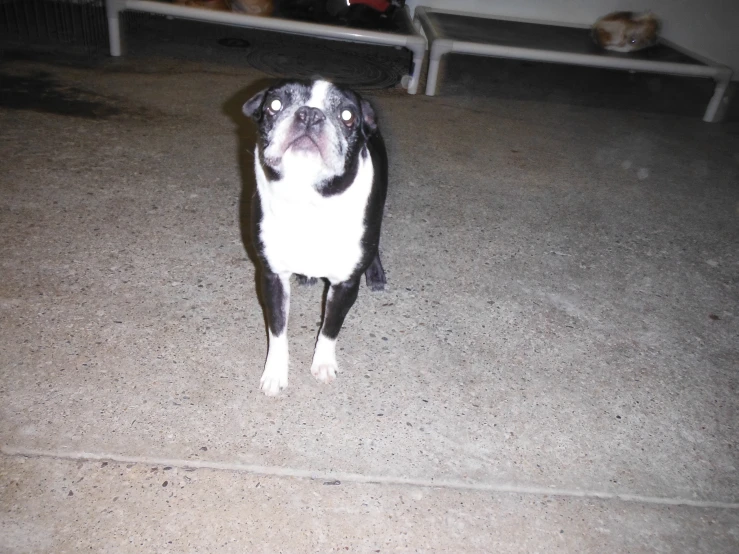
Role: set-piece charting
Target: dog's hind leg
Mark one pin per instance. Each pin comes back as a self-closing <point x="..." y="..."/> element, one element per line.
<point x="375" y="275"/>
<point x="276" y="289"/>
<point x="339" y="301"/>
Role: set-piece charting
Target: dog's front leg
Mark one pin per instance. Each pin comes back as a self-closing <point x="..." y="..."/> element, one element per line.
<point x="276" y="289"/>
<point x="339" y="300"/>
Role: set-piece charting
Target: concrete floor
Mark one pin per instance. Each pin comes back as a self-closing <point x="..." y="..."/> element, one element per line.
<point x="553" y="367"/>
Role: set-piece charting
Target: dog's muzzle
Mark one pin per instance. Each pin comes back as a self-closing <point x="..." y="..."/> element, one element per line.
<point x="308" y="130"/>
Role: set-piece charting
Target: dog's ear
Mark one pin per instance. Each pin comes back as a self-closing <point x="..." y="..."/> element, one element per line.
<point x="369" y="119"/>
<point x="253" y="105"/>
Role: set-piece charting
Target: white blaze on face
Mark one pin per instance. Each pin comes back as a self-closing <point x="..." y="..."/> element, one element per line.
<point x="333" y="142"/>
<point x="319" y="94"/>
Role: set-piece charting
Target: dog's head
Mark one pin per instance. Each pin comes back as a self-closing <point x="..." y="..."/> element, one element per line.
<point x="311" y="128"/>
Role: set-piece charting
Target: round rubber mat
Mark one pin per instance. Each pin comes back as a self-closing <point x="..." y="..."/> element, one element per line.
<point x="360" y="66"/>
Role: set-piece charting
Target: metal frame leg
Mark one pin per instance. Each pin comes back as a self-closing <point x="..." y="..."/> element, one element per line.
<point x="719" y="102"/>
<point x="415" y="77"/>
<point x="113" y="9"/>
<point x="439" y="47"/>
<point x="433" y="73"/>
<point x="432" y="76"/>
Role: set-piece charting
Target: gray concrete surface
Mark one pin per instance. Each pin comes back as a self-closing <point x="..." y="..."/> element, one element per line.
<point x="553" y="366"/>
<point x="60" y="507"/>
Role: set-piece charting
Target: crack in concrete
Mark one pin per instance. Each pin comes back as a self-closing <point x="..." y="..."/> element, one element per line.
<point x="275" y="471"/>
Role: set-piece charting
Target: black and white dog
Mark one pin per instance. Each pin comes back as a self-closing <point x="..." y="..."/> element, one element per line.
<point x="321" y="173"/>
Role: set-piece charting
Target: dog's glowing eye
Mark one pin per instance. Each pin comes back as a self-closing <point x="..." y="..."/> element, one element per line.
<point x="347" y="117"/>
<point x="275" y="105"/>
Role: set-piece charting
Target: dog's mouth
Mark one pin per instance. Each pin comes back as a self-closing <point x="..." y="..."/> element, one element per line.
<point x="304" y="143"/>
<point x="298" y="147"/>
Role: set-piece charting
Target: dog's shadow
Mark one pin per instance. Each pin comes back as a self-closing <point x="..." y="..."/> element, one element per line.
<point x="246" y="133"/>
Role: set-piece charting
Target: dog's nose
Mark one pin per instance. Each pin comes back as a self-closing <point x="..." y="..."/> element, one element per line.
<point x="309" y="116"/>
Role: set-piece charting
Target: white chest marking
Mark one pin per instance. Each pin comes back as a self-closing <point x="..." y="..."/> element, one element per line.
<point x="305" y="233"/>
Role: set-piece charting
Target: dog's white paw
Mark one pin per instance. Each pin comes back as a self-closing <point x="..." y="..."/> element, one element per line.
<point x="274" y="378"/>
<point x="272" y="382"/>
<point x="324" y="372"/>
<point x="324" y="365"/>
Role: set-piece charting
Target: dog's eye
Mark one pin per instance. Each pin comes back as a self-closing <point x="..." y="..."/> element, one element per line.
<point x="274" y="106"/>
<point x="347" y="116"/>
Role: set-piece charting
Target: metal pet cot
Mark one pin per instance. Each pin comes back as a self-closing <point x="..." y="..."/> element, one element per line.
<point x="486" y="36"/>
<point x="411" y="40"/>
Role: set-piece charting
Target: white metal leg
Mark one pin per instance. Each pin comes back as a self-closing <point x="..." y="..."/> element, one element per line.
<point x="416" y="76"/>
<point x="113" y="9"/>
<point x="114" y="33"/>
<point x="439" y="47"/>
<point x="432" y="76"/>
<point x="719" y="102"/>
